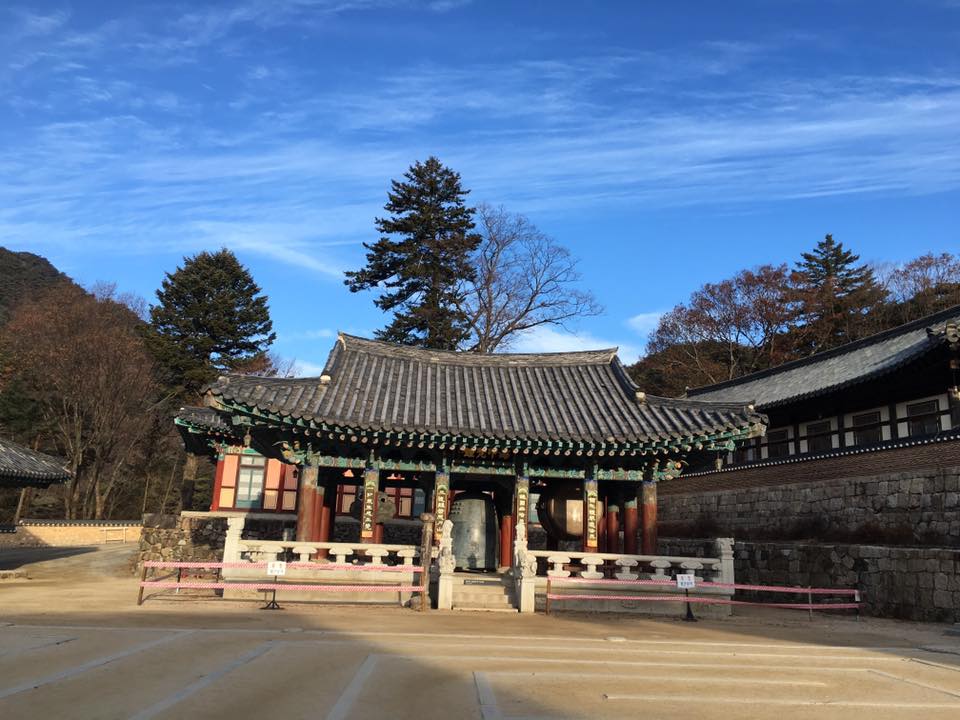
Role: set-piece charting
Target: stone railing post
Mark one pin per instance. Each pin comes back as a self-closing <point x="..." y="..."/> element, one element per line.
<point x="660" y="567"/>
<point x="625" y="569"/>
<point x="231" y="543"/>
<point x="303" y="552"/>
<point x="524" y="575"/>
<point x="725" y="553"/>
<point x="376" y="555"/>
<point x="557" y="563"/>
<point x="592" y="562"/>
<point x="446" y="562"/>
<point x="340" y="553"/>
<point x="693" y="565"/>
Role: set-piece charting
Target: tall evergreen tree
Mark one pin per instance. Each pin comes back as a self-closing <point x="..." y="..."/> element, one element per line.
<point x="422" y="258"/>
<point x="835" y="296"/>
<point x="211" y="317"/>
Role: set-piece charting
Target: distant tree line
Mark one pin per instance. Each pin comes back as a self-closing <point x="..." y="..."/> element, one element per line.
<point x="94" y="377"/>
<point x="766" y="316"/>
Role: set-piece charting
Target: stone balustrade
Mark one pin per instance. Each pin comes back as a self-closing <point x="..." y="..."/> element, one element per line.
<point x="599" y="566"/>
<point x="358" y="554"/>
<point x="533" y="568"/>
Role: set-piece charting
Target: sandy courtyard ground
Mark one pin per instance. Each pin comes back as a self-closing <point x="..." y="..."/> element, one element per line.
<point x="73" y="644"/>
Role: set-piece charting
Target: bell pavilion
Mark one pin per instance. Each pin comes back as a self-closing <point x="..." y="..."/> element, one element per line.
<point x="396" y="422"/>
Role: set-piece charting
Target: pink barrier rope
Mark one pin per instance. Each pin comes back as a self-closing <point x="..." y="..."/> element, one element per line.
<point x="283" y="586"/>
<point x="705" y="601"/>
<point x="292" y="565"/>
<point x="727" y="586"/>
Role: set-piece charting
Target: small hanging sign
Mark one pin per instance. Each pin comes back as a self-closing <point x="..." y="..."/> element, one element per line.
<point x="687" y="581"/>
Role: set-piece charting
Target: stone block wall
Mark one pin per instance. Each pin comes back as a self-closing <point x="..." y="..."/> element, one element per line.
<point x="909" y="583"/>
<point x="919" y="507"/>
<point x="198" y="538"/>
<point x="190" y="539"/>
<point x="70" y="533"/>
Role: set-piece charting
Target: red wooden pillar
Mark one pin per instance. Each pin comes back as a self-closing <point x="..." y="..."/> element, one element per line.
<point x="649" y="502"/>
<point x="306" y="503"/>
<point x="506" y="540"/>
<point x="631" y="524"/>
<point x="613" y="527"/>
<point x="321" y="515"/>
<point x="602" y="528"/>
<point x="217" y="484"/>
<point x="327" y="513"/>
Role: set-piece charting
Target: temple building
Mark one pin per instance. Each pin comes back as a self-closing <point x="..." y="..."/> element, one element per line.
<point x="388" y="430"/>
<point x="860" y="437"/>
<point x="21" y="467"/>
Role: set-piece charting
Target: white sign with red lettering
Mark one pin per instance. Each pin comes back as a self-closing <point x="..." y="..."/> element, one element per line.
<point x="276" y="568"/>
<point x="686" y="582"/>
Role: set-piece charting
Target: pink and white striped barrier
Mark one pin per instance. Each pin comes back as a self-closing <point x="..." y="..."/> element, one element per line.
<point x="703" y="583"/>
<point x="699" y="599"/>
<point x="272" y="585"/>
<point x="279" y="586"/>
<point x="290" y="566"/>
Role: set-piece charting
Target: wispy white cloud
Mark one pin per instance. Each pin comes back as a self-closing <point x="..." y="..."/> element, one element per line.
<point x="304" y="368"/>
<point x="644" y="324"/>
<point x="277" y="161"/>
<point x="550" y="339"/>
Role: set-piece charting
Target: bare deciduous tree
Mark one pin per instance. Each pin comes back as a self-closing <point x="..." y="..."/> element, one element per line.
<point x="524" y="279"/>
<point x="83" y="360"/>
<point x="924" y="285"/>
<point x="726" y="330"/>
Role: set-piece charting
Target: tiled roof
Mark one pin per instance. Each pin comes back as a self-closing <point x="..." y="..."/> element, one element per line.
<point x="579" y="396"/>
<point x="20" y="466"/>
<point x="834" y="369"/>
<point x="201" y="417"/>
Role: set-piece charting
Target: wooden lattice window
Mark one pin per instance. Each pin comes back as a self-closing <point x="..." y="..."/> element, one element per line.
<point x="778" y="443"/>
<point x="923" y="418"/>
<point x="819" y="436"/>
<point x="250" y="478"/>
<point x="866" y="428"/>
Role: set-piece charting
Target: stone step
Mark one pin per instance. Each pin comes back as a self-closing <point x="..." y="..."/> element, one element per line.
<point x="482" y="599"/>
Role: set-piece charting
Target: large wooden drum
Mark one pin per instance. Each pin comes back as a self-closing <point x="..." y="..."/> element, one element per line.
<point x="560" y="509"/>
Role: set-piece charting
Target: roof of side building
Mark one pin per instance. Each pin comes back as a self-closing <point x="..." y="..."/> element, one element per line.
<point x="840" y="367"/>
<point x="22" y="467"/>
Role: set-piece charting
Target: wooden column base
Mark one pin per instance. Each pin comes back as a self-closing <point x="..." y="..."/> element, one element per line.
<point x="613" y="529"/>
<point x="631" y="524"/>
<point x="649" y="501"/>
<point x="306" y="504"/>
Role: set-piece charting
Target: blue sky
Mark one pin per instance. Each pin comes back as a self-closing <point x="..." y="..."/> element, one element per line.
<point x="666" y="144"/>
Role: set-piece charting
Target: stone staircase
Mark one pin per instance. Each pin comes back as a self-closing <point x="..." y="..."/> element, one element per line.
<point x="484" y="592"/>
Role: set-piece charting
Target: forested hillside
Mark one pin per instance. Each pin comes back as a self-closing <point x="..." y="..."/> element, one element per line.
<point x="23" y="275"/>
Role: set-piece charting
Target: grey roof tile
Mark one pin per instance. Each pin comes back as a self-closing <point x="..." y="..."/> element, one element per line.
<point x="835" y="369"/>
<point x="580" y="396"/>
<point x="20" y="466"/>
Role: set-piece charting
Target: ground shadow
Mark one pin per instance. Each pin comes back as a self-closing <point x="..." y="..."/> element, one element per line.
<point x="17" y="558"/>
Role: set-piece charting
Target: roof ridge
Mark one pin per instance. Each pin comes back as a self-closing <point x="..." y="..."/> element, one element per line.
<point x="602" y="355"/>
<point x="925" y="321"/>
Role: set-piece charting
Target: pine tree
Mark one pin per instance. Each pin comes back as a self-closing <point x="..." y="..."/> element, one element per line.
<point x="422" y="258"/>
<point x="835" y="297"/>
<point x="210" y="318"/>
